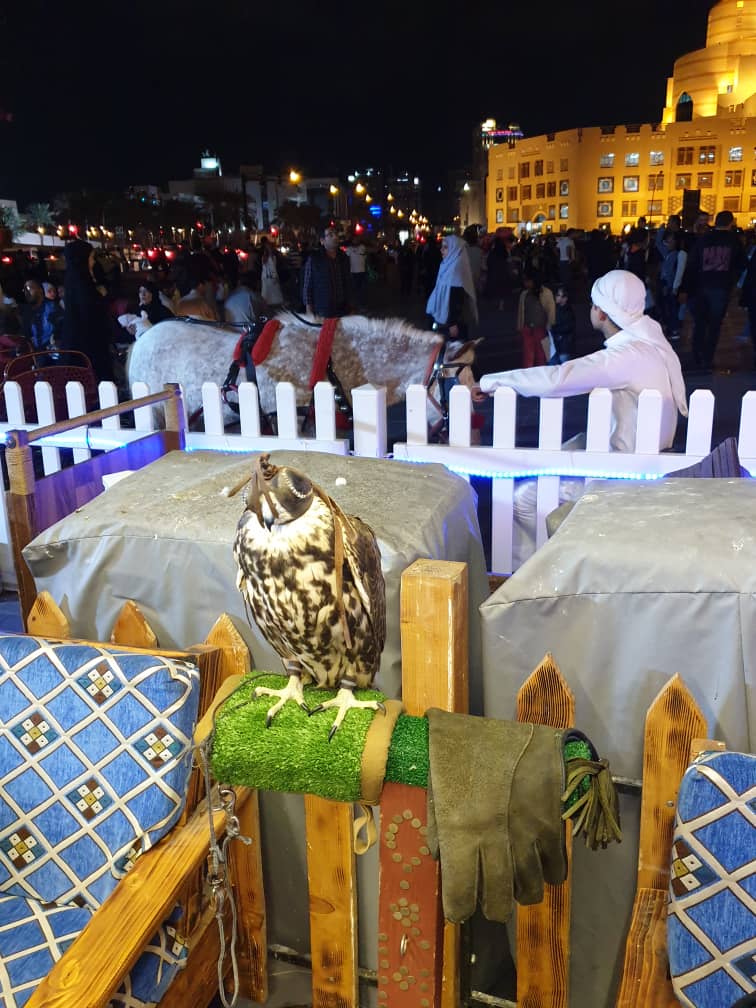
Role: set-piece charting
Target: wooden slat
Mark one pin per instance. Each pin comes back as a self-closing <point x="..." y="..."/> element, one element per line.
<point x="672" y="722"/>
<point x="246" y="860"/>
<point x="333" y="902"/>
<point x="543" y="930"/>
<point x="645" y="980"/>
<point x="46" y="619"/>
<point x="419" y="957"/>
<point x="197" y="983"/>
<point x="94" y="965"/>
<point x="132" y="628"/>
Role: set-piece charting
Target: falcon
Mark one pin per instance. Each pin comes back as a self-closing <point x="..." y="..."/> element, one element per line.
<point x="311" y="577"/>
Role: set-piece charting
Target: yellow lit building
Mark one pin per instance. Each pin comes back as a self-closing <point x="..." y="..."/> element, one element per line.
<point x="701" y="153"/>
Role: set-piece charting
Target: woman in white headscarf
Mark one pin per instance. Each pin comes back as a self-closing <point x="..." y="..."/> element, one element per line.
<point x="636" y="356"/>
<point x="452" y="305"/>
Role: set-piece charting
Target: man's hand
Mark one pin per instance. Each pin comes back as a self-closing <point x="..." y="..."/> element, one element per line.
<point x="477" y="394"/>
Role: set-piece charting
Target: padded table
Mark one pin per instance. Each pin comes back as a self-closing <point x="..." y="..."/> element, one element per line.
<point x="641" y="581"/>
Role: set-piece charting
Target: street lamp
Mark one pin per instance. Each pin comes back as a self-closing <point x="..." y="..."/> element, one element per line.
<point x="333" y="190"/>
<point x="359" y="188"/>
<point x="294" y="177"/>
<point x="655" y="180"/>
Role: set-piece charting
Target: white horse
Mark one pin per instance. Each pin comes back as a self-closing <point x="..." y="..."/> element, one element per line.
<point x="384" y="352"/>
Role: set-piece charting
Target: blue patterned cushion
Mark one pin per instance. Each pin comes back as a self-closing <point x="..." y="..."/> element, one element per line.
<point x="34" y="936"/>
<point x="95" y="756"/>
<point x="711" y="929"/>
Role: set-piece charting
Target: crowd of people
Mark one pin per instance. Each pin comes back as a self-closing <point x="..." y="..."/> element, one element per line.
<point x="684" y="271"/>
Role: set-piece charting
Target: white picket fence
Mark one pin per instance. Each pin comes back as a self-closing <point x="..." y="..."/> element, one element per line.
<point x="502" y="462"/>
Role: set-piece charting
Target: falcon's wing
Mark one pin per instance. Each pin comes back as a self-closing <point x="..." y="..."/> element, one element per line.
<point x="364" y="559"/>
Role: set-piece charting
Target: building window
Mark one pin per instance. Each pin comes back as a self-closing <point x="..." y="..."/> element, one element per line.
<point x="632" y="159"/>
<point x="682" y="181"/>
<point x="736" y="154"/>
<point x="656" y="157"/>
<point x="654" y="207"/>
<point x="541" y="191"/>
<point x="606" y="184"/>
<point x="630" y="183"/>
<point x="525" y="169"/>
<point x="705" y="180"/>
<point x="525" y="192"/>
<point x="752" y="203"/>
<point x="684" y="110"/>
<point x="707" y="155"/>
<point x="564" y="164"/>
<point x="549" y="167"/>
<point x="552" y="213"/>
<point x="731" y="203"/>
<point x="500" y="217"/>
<point x="630" y="208"/>
<point x="564" y="211"/>
<point x="512" y="216"/>
<point x="685" y="155"/>
<point x="499" y="195"/>
<point x="538" y="167"/>
<point x="512" y="193"/>
<point x="499" y="174"/>
<point x="564" y="187"/>
<point x="733" y="178"/>
<point x="511" y="172"/>
<point x="606" y="161"/>
<point x="655" y="182"/>
<point x="551" y="188"/>
<point x="604" y="208"/>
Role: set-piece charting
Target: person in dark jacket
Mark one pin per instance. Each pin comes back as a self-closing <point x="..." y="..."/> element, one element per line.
<point x="498" y="280"/>
<point x="325" y="286"/>
<point x="86" y="325"/>
<point x="563" y="329"/>
<point x="716" y="262"/>
<point x="150" y="303"/>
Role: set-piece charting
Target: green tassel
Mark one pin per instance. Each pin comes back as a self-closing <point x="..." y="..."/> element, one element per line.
<point x="596" y="811"/>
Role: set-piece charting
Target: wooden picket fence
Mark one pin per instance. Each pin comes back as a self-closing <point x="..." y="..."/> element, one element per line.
<point x="420" y="960"/>
<point x="502" y="462"/>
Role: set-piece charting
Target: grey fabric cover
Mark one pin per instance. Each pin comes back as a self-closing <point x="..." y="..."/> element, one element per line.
<point x="644" y="580"/>
<point x="163" y="537"/>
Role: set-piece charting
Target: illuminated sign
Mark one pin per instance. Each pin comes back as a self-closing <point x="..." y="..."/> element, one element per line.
<point x="375" y="210"/>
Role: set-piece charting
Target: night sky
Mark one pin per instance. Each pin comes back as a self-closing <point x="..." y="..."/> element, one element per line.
<point x="108" y="94"/>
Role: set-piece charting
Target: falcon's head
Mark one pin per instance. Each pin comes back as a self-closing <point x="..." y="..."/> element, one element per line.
<point x="277" y="494"/>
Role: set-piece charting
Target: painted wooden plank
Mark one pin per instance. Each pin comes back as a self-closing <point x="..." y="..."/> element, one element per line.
<point x="212" y="408"/>
<point x="325" y="411"/>
<point x="599" y="426"/>
<point x="43" y="398"/>
<point x="417" y="415"/>
<point x="747" y="431"/>
<point x="286" y="410"/>
<point x="502" y="490"/>
<point x="419" y="957"/>
<point x="249" y="409"/>
<point x="77" y="406"/>
<point x="700" y="422"/>
<point x="648" y="430"/>
<point x="460" y="416"/>
<point x="370" y="421"/>
<point x="543" y="930"/>
<point x="108" y="396"/>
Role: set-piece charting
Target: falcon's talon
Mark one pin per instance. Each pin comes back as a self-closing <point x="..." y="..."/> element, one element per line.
<point x="344" y="701"/>
<point x="291" y="691"/>
<point x="316" y="710"/>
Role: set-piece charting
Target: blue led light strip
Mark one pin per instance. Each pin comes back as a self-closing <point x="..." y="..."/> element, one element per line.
<point x="533" y="473"/>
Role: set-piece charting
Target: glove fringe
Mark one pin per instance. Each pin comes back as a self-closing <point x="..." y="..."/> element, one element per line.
<point x="595" y="813"/>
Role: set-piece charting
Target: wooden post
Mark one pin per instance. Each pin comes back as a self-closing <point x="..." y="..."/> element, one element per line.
<point x="543" y="930"/>
<point x="21" y="512"/>
<point x="132" y="629"/>
<point x="331" y="875"/>
<point x="419" y="958"/>
<point x="246" y="860"/>
<point x="673" y="722"/>
<point x="175" y="419"/>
